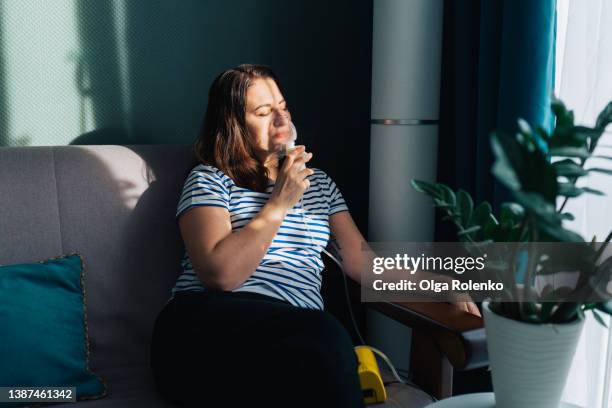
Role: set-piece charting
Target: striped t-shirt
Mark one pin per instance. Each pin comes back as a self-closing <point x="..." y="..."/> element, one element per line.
<point x="291" y="268"/>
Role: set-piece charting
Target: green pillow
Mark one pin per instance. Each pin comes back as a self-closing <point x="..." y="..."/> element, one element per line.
<point x="43" y="321"/>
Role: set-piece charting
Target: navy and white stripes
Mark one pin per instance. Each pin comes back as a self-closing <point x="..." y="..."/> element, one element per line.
<point x="291" y="268"/>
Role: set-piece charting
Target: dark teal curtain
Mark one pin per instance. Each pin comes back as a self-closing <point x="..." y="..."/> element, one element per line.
<point x="497" y="66"/>
<point x="3" y="91"/>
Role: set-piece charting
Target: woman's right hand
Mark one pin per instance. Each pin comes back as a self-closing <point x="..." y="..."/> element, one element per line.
<point x="291" y="183"/>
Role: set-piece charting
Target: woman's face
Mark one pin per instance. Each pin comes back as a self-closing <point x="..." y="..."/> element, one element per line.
<point x="267" y="116"/>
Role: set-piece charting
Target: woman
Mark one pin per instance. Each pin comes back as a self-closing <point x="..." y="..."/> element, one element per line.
<point x="246" y="324"/>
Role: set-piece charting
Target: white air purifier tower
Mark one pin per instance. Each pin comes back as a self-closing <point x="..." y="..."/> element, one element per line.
<point x="406" y="64"/>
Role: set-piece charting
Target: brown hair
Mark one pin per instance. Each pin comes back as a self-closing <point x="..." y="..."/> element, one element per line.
<point x="224" y="140"/>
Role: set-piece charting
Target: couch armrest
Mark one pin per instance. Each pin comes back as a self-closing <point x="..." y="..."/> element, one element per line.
<point x="457" y="334"/>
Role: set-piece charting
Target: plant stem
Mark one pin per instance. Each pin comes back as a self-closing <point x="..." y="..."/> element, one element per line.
<point x="563" y="204"/>
<point x="523" y="227"/>
<point x="468" y="237"/>
<point x="532" y="263"/>
<point x="603" y="247"/>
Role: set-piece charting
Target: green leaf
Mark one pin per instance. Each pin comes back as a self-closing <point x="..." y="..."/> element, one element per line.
<point x="426" y="187"/>
<point x="465" y="205"/>
<point x="605" y="307"/>
<point x="535" y="204"/>
<point x="598" y="317"/>
<point x="600" y="170"/>
<point x="592" y="191"/>
<point x="490" y="227"/>
<point x="447" y="194"/>
<point x="451" y="217"/>
<point x="481" y="213"/>
<point x="469" y="230"/>
<point x="584" y="133"/>
<point x="524" y="126"/>
<point x="520" y="166"/>
<point x="507" y="155"/>
<point x="558" y="295"/>
<point x="578" y="259"/>
<point x="498" y="265"/>
<point x="557" y="233"/>
<point x="564" y="118"/>
<point x="605" y="117"/>
<point x="512" y="211"/>
<point x="546" y="310"/>
<point x="568" y="168"/>
<point x="573" y="136"/>
<point x="580" y="312"/>
<point x="567" y="216"/>
<point x="546" y="217"/>
<point x="566" y="312"/>
<point x="570" y="152"/>
<point x="570" y="190"/>
<point x="543" y="134"/>
<point x="529" y="312"/>
<point x="557" y="106"/>
<point x="526" y="138"/>
<point x="600" y="280"/>
<point x="443" y="205"/>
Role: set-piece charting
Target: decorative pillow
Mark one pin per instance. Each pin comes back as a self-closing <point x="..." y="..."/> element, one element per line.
<point x="43" y="321"/>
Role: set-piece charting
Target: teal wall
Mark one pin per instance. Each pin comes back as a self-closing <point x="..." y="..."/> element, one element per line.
<point x="138" y="72"/>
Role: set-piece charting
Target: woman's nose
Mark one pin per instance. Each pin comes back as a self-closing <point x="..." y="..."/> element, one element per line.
<point x="281" y="119"/>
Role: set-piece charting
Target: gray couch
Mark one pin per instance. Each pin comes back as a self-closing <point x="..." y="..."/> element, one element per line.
<point x="115" y="205"/>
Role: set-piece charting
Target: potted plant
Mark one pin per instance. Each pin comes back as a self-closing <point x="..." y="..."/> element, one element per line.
<point x="532" y="333"/>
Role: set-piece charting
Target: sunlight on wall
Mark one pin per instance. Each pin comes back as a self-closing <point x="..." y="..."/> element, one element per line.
<point x="120" y="18"/>
<point x="49" y="95"/>
<point x="44" y="106"/>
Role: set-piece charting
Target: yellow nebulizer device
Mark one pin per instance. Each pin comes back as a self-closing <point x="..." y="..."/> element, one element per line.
<point x="370" y="379"/>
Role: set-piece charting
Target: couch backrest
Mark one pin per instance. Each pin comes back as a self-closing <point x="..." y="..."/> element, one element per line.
<point x="115" y="206"/>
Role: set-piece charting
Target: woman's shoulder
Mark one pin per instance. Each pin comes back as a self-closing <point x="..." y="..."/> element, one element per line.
<point x="318" y="172"/>
<point x="210" y="171"/>
<point x="319" y="176"/>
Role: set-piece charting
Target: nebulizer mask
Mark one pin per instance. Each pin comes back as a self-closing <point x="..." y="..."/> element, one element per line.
<point x="370" y="379"/>
<point x="288" y="146"/>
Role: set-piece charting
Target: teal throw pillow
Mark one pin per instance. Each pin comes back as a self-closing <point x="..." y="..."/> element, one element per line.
<point x="43" y="326"/>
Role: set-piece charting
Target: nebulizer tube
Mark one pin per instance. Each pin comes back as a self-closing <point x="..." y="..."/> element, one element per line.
<point x="283" y="152"/>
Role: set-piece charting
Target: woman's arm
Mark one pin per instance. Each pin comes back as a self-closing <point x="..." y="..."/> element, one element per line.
<point x="356" y="253"/>
<point x="221" y="259"/>
<point x="350" y="242"/>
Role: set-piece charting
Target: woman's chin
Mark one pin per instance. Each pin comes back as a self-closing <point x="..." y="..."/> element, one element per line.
<point x="276" y="147"/>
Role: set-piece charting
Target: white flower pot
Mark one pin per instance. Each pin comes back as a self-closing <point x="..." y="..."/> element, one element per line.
<point x="529" y="362"/>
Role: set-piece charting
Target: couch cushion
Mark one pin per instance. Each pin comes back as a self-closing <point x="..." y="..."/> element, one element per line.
<point x="29" y="222"/>
<point x="114" y="205"/>
<point x="129" y="387"/>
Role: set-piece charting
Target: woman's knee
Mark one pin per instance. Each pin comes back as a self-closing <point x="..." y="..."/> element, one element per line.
<point x="327" y="325"/>
<point x="322" y="333"/>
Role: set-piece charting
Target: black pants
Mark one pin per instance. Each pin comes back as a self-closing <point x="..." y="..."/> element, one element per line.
<point x="237" y="349"/>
